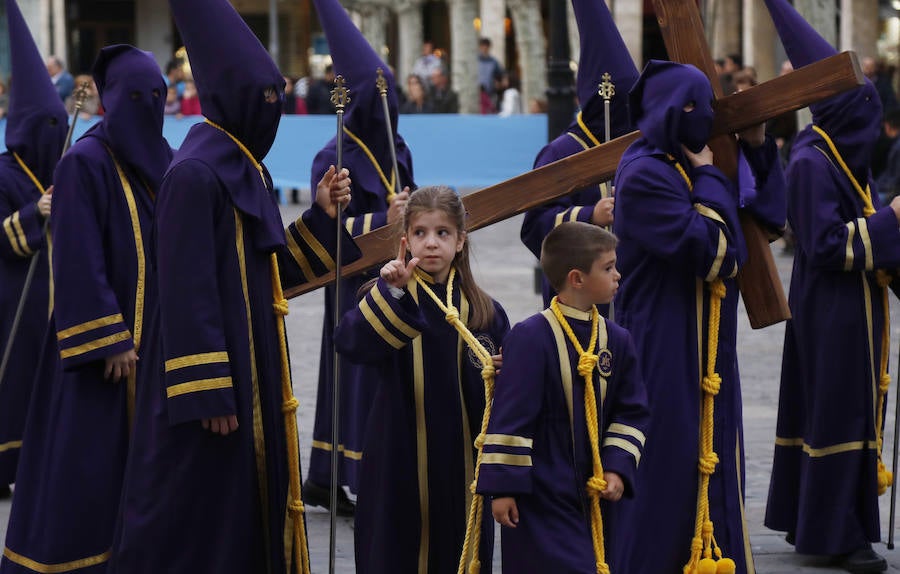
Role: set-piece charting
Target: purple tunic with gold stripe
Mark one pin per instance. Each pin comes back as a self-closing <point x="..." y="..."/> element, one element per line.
<point x="77" y="433"/>
<point x="824" y="477"/>
<point x="220" y="355"/>
<point x="21" y="238"/>
<point x="537" y="447"/>
<point x="419" y="456"/>
<point x="674" y="240"/>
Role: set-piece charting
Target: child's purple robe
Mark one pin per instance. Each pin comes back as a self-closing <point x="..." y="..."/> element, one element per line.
<point x="537" y="447"/>
<point x="419" y="455"/>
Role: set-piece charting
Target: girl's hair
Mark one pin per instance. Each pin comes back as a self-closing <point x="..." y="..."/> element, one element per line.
<point x="444" y="199"/>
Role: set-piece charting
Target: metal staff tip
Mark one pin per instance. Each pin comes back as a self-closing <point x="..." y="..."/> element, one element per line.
<point x="381" y="82"/>
<point x="606" y="88"/>
<point x="340" y="95"/>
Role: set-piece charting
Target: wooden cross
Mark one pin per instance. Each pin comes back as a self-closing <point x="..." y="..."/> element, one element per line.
<point x="759" y="281"/>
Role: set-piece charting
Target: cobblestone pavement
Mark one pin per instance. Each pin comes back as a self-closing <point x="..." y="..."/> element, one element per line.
<point x="505" y="270"/>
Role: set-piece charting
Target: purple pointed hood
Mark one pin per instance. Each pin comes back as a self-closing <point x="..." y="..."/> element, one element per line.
<point x="232" y="72"/>
<point x="357" y="62"/>
<point x="133" y="94"/>
<point x="657" y="104"/>
<point x="37" y="122"/>
<point x="602" y="51"/>
<point x="851" y="119"/>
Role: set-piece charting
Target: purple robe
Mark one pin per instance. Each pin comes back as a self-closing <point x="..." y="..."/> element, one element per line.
<point x="537" y="447"/>
<point x="76" y="438"/>
<point x="418" y="456"/>
<point x="673" y="241"/>
<point x="217" y="325"/>
<point x="824" y="476"/>
<point x="35" y="132"/>
<point x="22" y="237"/>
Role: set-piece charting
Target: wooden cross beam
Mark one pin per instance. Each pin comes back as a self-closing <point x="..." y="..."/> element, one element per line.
<point x="596" y="165"/>
<point x="682" y="30"/>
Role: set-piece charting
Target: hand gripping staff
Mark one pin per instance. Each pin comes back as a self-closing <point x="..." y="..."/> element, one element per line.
<point x="80" y="96"/>
<point x="340" y="98"/>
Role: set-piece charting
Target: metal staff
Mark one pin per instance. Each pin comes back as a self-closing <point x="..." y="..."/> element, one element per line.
<point x="607" y="90"/>
<point x="890" y="542"/>
<point x="381" y="83"/>
<point x="340" y="98"/>
<point x="80" y="97"/>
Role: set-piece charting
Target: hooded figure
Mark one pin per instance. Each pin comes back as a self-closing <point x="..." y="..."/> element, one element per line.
<point x="35" y="135"/>
<point x="826" y="498"/>
<point x="221" y="439"/>
<point x="76" y="438"/>
<point x="602" y="52"/>
<point x="366" y="153"/>
<point x="680" y="247"/>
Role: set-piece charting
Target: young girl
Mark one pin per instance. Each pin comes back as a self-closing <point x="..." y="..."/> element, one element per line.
<point x="419" y="456"/>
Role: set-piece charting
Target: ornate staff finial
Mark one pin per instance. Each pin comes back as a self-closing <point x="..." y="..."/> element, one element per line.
<point x="340" y="95"/>
<point x="80" y="95"/>
<point x="606" y="89"/>
<point x="381" y="82"/>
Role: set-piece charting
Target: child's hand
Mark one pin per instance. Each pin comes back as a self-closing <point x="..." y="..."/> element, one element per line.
<point x="43" y="203"/>
<point x="120" y="366"/>
<point x="704" y="157"/>
<point x="615" y="488"/>
<point x="398" y="206"/>
<point x="333" y="189"/>
<point x="497" y="360"/>
<point x="398" y="272"/>
<point x="221" y="425"/>
<point x="505" y="511"/>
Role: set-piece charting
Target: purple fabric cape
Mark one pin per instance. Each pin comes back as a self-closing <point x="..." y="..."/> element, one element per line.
<point x="667" y="252"/>
<point x="532" y="402"/>
<point x="417" y="432"/>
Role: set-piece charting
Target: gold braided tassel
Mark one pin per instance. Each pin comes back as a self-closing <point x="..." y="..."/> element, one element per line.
<point x="472" y="540"/>
<point x="596" y="484"/>
<point x="289" y="408"/>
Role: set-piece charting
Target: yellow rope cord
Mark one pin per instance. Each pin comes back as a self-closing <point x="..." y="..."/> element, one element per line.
<point x="390" y="186"/>
<point x="885" y="477"/>
<point x="703" y="544"/>
<point x="30" y="174"/>
<point x="587" y="362"/>
<point x="290" y="403"/>
<point x="476" y="511"/>
<point x="289" y="408"/>
<point x="587" y="130"/>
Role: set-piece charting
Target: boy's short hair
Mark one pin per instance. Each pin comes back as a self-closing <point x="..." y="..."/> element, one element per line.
<point x="573" y="245"/>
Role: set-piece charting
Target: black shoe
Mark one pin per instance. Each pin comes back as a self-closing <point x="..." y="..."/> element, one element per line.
<point x="790" y="538"/>
<point x="5" y="492"/>
<point x="864" y="561"/>
<point x="315" y="495"/>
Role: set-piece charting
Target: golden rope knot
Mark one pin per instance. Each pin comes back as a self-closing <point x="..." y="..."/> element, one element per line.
<point x="281" y="307"/>
<point x="717" y="288"/>
<point x="602" y="568"/>
<point x="473" y="487"/>
<point x="586" y="364"/>
<point x="296" y="507"/>
<point x="708" y="463"/>
<point x="290" y="405"/>
<point x="884" y="383"/>
<point x="475" y="566"/>
<point x="707" y="528"/>
<point x="488" y="371"/>
<point x="712" y="383"/>
<point x="452" y="314"/>
<point x="596" y="484"/>
<point x="696" y="545"/>
<point x="479" y="440"/>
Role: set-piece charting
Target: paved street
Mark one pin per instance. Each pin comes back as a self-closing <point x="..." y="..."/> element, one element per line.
<point x="505" y="269"/>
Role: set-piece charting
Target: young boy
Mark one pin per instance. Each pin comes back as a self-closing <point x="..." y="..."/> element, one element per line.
<point x="544" y="462"/>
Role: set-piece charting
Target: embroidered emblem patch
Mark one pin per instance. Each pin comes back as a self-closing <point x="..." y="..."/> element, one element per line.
<point x="605" y="362"/>
<point x="488" y="344"/>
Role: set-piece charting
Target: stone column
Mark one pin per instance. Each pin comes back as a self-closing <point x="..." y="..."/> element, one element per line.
<point x="153" y="29"/>
<point x="725" y="35"/>
<point x="572" y="28"/>
<point x="464" y="54"/>
<point x="760" y="40"/>
<point x="410" y="26"/>
<point x="493" y="17"/>
<point x="374" y="25"/>
<point x="822" y="16"/>
<point x="629" y="18"/>
<point x="59" y="45"/>
<point x="530" y="44"/>
<point x="860" y="27"/>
